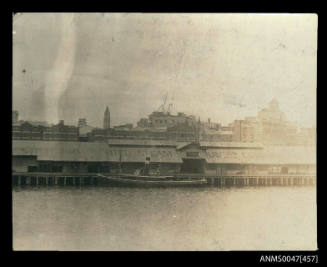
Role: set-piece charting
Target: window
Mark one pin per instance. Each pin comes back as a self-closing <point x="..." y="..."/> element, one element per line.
<point x="92" y="168"/>
<point x="45" y="168"/>
<point x="275" y="169"/>
<point x="32" y="168"/>
<point x="56" y="169"/>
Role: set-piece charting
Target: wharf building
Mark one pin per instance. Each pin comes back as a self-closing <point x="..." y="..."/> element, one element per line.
<point x="166" y="158"/>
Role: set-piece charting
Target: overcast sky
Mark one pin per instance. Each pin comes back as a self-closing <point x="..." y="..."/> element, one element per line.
<point x="218" y="66"/>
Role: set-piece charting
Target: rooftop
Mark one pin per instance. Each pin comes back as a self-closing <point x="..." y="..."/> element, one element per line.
<point x="214" y="152"/>
<point x="230" y="144"/>
<point x="91" y="152"/>
<point x="268" y="155"/>
<point x="138" y="142"/>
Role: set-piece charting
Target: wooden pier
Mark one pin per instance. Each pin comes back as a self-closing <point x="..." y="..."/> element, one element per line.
<point x="91" y="179"/>
<point x="260" y="180"/>
<point x="54" y="179"/>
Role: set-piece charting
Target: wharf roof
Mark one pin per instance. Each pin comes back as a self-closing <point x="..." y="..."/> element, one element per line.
<point x="182" y="144"/>
<point x="213" y="131"/>
<point x="72" y="151"/>
<point x="268" y="155"/>
<point x="91" y="152"/>
<point x="230" y="144"/>
<point x="167" y="155"/>
<point x="138" y="142"/>
<point x="211" y="144"/>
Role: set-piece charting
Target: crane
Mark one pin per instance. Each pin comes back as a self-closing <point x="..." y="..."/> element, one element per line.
<point x="163" y="106"/>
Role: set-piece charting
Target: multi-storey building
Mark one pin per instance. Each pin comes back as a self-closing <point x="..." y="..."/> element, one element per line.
<point x="270" y="127"/>
<point x="163" y="120"/>
<point x="27" y="131"/>
<point x="183" y="132"/>
<point x="247" y="130"/>
<point x="59" y="132"/>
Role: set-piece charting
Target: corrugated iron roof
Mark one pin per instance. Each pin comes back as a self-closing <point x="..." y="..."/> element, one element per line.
<point x="101" y="152"/>
<point x="181" y="145"/>
<point x="168" y="155"/>
<point x="268" y="155"/>
<point x="138" y="142"/>
<point x="212" y="144"/>
<point x="230" y="144"/>
<point x="93" y="152"/>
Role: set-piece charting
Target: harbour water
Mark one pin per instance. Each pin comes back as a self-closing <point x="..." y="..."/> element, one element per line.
<point x="206" y="218"/>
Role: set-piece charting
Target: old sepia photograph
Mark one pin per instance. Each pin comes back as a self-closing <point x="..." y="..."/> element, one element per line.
<point x="164" y="131"/>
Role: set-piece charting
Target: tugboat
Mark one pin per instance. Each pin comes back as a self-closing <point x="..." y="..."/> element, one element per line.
<point x="152" y="180"/>
<point x="149" y="180"/>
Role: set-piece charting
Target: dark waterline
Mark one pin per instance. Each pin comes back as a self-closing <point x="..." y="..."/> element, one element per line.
<point x="206" y="218"/>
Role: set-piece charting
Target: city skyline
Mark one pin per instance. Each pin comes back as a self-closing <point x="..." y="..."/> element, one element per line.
<point x="256" y="117"/>
<point x="130" y="61"/>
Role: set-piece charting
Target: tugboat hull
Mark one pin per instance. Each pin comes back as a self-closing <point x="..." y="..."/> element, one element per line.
<point x="152" y="181"/>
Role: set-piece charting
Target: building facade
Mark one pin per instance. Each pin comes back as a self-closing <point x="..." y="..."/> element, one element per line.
<point x="247" y="130"/>
<point x="165" y="120"/>
<point x="59" y="132"/>
<point x="271" y="127"/>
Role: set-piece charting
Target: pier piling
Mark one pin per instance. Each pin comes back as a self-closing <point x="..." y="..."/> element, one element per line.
<point x="234" y="180"/>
